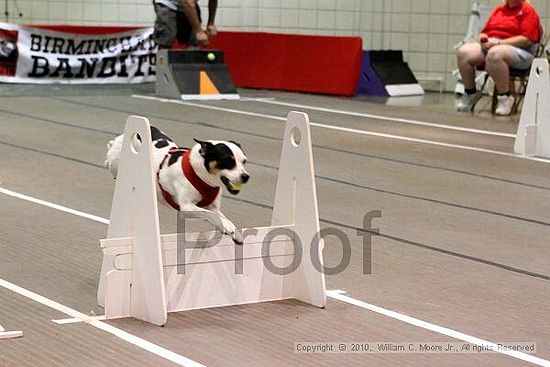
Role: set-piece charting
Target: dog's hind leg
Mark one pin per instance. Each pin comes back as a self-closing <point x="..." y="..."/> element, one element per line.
<point x="114" y="151"/>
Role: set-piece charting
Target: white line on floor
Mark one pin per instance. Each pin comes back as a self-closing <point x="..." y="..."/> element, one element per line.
<point x="394" y="119"/>
<point x="75" y="315"/>
<point x="183" y="361"/>
<point x="130" y="338"/>
<point x="11" y="334"/>
<point x="175" y="101"/>
<point x="74" y="320"/>
<point x="435" y="328"/>
<point x="347" y="130"/>
<point x="53" y="206"/>
<point x="248" y="99"/>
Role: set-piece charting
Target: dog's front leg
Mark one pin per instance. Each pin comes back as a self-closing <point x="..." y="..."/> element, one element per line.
<point x="202" y="213"/>
<point x="220" y="222"/>
<point x="230" y="228"/>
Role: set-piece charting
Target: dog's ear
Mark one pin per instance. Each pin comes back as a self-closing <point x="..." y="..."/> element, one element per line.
<point x="237" y="144"/>
<point x="206" y="146"/>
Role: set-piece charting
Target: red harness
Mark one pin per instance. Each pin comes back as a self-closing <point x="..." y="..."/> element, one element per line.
<point x="207" y="192"/>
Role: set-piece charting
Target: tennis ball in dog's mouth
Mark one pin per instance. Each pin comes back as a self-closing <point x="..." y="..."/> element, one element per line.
<point x="235" y="186"/>
<point x="211" y="56"/>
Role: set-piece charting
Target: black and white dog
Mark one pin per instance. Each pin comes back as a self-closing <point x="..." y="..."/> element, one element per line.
<point x="190" y="179"/>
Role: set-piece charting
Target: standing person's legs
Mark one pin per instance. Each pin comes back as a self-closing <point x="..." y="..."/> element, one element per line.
<point x="166" y="27"/>
<point x="184" y="32"/>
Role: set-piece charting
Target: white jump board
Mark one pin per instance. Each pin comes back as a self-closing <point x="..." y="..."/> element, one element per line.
<point x="209" y="279"/>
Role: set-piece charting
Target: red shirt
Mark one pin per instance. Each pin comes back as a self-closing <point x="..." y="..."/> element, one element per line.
<point x="505" y="22"/>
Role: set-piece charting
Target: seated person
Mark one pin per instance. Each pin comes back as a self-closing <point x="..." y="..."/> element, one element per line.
<point x="510" y="39"/>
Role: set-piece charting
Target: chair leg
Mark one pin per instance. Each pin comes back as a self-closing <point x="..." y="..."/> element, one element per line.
<point x="520" y="94"/>
<point x="494" y="101"/>
<point x="485" y="80"/>
<point x="514" y="94"/>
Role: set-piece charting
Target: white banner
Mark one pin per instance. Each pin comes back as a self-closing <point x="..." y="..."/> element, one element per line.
<point x="35" y="55"/>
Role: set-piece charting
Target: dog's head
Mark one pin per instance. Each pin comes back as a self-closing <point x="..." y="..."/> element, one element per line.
<point x="225" y="159"/>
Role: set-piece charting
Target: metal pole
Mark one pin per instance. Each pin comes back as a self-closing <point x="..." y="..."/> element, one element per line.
<point x="19" y="13"/>
<point x="6" y="11"/>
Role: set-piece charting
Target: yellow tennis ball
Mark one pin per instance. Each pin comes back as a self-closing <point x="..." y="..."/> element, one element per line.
<point x="211" y="56"/>
<point x="235" y="186"/>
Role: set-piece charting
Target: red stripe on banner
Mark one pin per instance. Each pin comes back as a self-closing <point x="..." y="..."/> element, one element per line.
<point x="316" y="64"/>
<point x="81" y="29"/>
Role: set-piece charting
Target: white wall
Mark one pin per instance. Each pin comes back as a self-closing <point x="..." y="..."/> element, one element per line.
<point x="426" y="30"/>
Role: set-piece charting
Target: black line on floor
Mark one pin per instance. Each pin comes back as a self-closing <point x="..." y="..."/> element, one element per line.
<point x="388" y="192"/>
<point x="265" y="206"/>
<point x="446" y="252"/>
<point x="52" y="154"/>
<point x="54" y="122"/>
<point x="434" y="201"/>
<point x="382" y="191"/>
<point x="339" y="150"/>
<point x="416" y="244"/>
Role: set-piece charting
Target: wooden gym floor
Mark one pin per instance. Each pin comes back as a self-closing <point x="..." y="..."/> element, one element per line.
<point x="464" y="243"/>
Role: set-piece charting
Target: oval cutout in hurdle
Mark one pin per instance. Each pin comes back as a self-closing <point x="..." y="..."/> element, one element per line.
<point x="139" y="276"/>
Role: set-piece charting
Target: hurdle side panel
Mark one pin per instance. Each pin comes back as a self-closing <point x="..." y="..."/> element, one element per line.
<point x="533" y="134"/>
<point x="135" y="214"/>
<point x="296" y="204"/>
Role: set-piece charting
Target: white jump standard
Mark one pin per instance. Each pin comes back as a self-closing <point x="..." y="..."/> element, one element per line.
<point x="139" y="276"/>
<point x="533" y="134"/>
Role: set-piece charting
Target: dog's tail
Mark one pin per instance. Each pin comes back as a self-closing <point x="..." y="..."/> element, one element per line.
<point x="114" y="149"/>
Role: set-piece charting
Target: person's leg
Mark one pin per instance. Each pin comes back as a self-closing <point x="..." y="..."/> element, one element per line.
<point x="498" y="60"/>
<point x="468" y="57"/>
<point x="185" y="32"/>
<point x="165" y="26"/>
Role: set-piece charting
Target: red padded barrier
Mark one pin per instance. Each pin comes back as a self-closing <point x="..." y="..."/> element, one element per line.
<point x="316" y="64"/>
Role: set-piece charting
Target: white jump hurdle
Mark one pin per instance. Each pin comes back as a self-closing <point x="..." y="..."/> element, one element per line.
<point x="533" y="135"/>
<point x="139" y="276"/>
